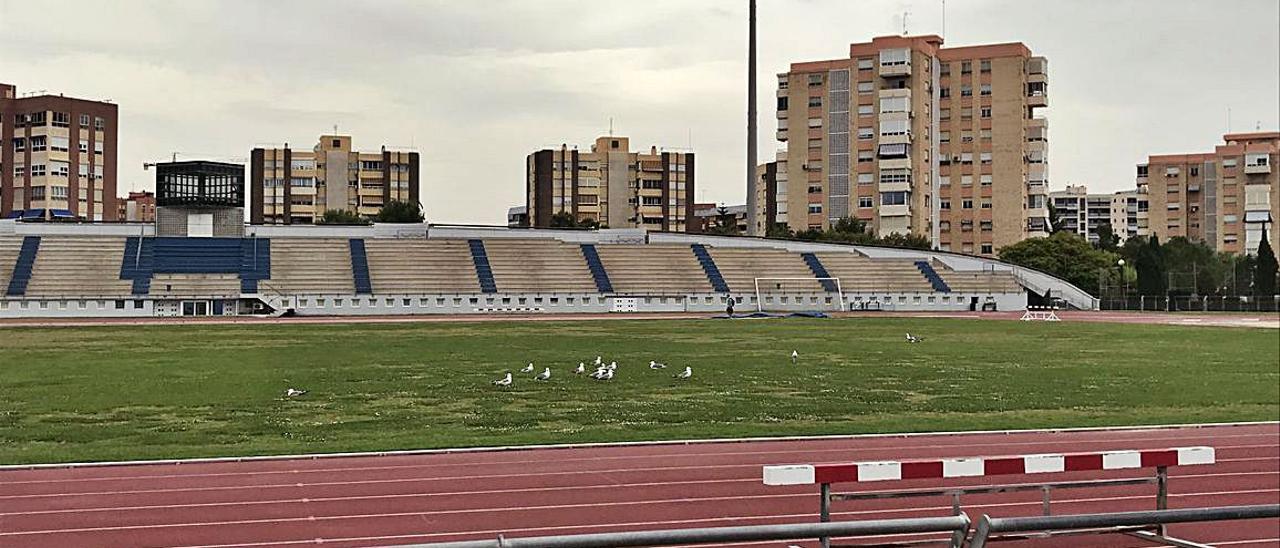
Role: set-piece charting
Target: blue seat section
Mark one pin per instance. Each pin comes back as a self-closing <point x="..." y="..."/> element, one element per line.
<point x="22" y="267"/>
<point x="598" y="272"/>
<point x="819" y="271"/>
<point x="709" y="267"/>
<point x="932" y="275"/>
<point x="137" y="263"/>
<point x="249" y="258"/>
<point x="360" y="267"/>
<point x="484" y="272"/>
<point x="255" y="263"/>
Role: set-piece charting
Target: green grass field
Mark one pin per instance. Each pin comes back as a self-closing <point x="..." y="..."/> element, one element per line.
<point x="107" y="393"/>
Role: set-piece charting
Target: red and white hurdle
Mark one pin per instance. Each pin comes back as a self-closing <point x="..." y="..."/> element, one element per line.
<point x="970" y="467"/>
<point x="801" y="474"/>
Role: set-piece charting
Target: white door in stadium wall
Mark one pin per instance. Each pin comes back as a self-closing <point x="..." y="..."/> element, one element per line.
<point x="200" y="225"/>
<point x="623" y="304"/>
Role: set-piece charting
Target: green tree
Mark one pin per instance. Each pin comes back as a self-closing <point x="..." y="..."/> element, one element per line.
<point x="397" y="211"/>
<point x="1107" y="238"/>
<point x="726" y="223"/>
<point x="1192" y="267"/>
<point x="563" y="219"/>
<point x="1065" y="255"/>
<point x="1148" y="260"/>
<point x="341" y="217"/>
<point x="1265" y="268"/>
<point x="912" y="241"/>
<point x="779" y="230"/>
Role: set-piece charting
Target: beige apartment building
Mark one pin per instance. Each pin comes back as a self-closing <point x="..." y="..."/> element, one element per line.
<point x="57" y="157"/>
<point x="1223" y="198"/>
<point x="289" y="186"/>
<point x="611" y="185"/>
<point x="1082" y="212"/>
<point x="916" y="138"/>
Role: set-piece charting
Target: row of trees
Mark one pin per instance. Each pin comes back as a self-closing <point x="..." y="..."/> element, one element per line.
<point x="1147" y="266"/>
<point x="848" y="230"/>
<point x="395" y="211"/>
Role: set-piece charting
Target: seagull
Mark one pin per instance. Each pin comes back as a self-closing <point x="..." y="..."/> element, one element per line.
<point x="505" y="381"/>
<point x="913" y="339"/>
<point x="581" y="367"/>
<point x="688" y="372"/>
<point x="598" y="360"/>
<point x="293" y="392"/>
<point x="794" y="356"/>
<point x="544" y="375"/>
<point x="527" y="368"/>
<point x="599" y="372"/>
<point x="656" y="365"/>
<point x="613" y="365"/>
<point x="608" y="375"/>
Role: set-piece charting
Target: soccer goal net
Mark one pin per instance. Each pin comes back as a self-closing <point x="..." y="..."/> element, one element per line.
<point x="794" y="294"/>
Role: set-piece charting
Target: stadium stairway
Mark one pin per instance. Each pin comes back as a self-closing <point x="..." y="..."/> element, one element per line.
<point x="932" y="275"/>
<point x="598" y="272"/>
<point x="255" y="263"/>
<point x="484" y="272"/>
<point x="819" y="271"/>
<point x="709" y="267"/>
<point x="22" y="267"/>
<point x="137" y="264"/>
<point x="360" y="267"/>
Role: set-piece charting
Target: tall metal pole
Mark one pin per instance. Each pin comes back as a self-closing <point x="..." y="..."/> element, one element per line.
<point x="753" y="228"/>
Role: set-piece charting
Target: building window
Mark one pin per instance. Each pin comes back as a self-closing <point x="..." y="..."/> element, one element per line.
<point x="815" y="101"/>
<point x="865" y="156"/>
<point x="944" y="204"/>
<point x="782" y="103"/>
<point x="966" y="204"/>
<point x="985" y="226"/>
<point x="944" y="114"/>
<point x="865" y="63"/>
<point x="864" y="201"/>
<point x="984" y="89"/>
<point x="944" y="180"/>
<point x="944" y="69"/>
<point x="894" y="104"/>
<point x="866" y="178"/>
<point x="966" y="90"/>
<point x="966" y="113"/>
<point x="984" y="65"/>
<point x="985" y="180"/>
<point x="815" y="122"/>
<point x="966" y="67"/>
<point x="866" y="110"/>
<point x="893" y="198"/>
<point x="865" y="133"/>
<point x="944" y="137"/>
<point x="966" y="136"/>
<point x="984" y="134"/>
<point x="985" y="158"/>
<point x="815" y="80"/>
<point x="986" y="112"/>
<point x="61" y="119"/>
<point x="866" y="87"/>
<point x="84" y="120"/>
<point x="100" y="124"/>
<point x="944" y="93"/>
<point x="987" y="249"/>
<point x="815" y="208"/>
<point x="986" y="203"/>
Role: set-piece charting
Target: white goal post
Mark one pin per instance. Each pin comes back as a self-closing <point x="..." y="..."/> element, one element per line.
<point x="774" y="286"/>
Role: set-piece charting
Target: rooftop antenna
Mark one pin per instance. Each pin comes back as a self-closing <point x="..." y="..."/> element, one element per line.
<point x="905" y="14"/>
<point x="944" y="18"/>
<point x="1257" y="126"/>
<point x="1228" y="119"/>
<point x="611" y="126"/>
<point x="335" y="129"/>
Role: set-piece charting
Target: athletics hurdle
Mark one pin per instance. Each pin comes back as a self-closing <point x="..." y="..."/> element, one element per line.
<point x="1041" y="313"/>
<point x="861" y="472"/>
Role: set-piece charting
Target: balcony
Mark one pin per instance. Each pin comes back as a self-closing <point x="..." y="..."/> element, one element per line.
<point x="1037" y="187"/>
<point x="895" y="138"/>
<point x="1257" y="163"/>
<point x="895" y="163"/>
<point x="895" y="210"/>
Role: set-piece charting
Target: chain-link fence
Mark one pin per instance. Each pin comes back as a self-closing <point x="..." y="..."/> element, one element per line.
<point x="1191" y="303"/>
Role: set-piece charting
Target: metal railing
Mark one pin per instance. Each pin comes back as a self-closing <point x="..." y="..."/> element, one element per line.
<point x="956" y="525"/>
<point x="1048" y="526"/>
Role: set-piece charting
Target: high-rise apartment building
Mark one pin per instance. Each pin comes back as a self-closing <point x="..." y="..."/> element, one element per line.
<point x="139" y="207"/>
<point x="771" y="195"/>
<point x="57" y="157"/>
<point x="289" y="186"/>
<point x="916" y="138"/>
<point x="1223" y="198"/>
<point x="1081" y="212"/>
<point x="611" y="185"/>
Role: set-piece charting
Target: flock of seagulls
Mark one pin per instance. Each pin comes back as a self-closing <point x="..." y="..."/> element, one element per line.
<point x="602" y="372"/>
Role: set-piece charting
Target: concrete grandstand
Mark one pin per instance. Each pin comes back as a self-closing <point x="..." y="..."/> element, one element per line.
<point x="125" y="270"/>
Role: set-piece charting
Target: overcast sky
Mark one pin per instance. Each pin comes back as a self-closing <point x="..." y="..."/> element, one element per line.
<point x="476" y="86"/>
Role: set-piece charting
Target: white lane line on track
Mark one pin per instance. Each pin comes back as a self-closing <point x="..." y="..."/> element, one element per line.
<point x="752" y="477"/>
<point x="645" y="525"/>
<point x="1036" y="503"/>
<point x="673" y="456"/>
<point x="1190" y="428"/>
<point x="302" y="500"/>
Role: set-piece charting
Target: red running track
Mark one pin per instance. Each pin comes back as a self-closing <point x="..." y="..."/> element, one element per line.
<point x="386" y="500"/>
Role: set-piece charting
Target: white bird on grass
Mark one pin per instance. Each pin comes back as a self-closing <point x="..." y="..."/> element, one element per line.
<point x="608" y="375"/>
<point x="527" y="368"/>
<point x="656" y="365"/>
<point x="688" y="372"/>
<point x="794" y="356"/>
<point x="613" y="365"/>
<point x="505" y="381"/>
<point x="598" y="361"/>
<point x="544" y="375"/>
<point x="581" y="368"/>
<point x="293" y="392"/>
<point x="913" y="339"/>
<point x="599" y="372"/>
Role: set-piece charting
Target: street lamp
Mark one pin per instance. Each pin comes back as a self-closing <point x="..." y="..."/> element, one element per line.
<point x="1124" y="280"/>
